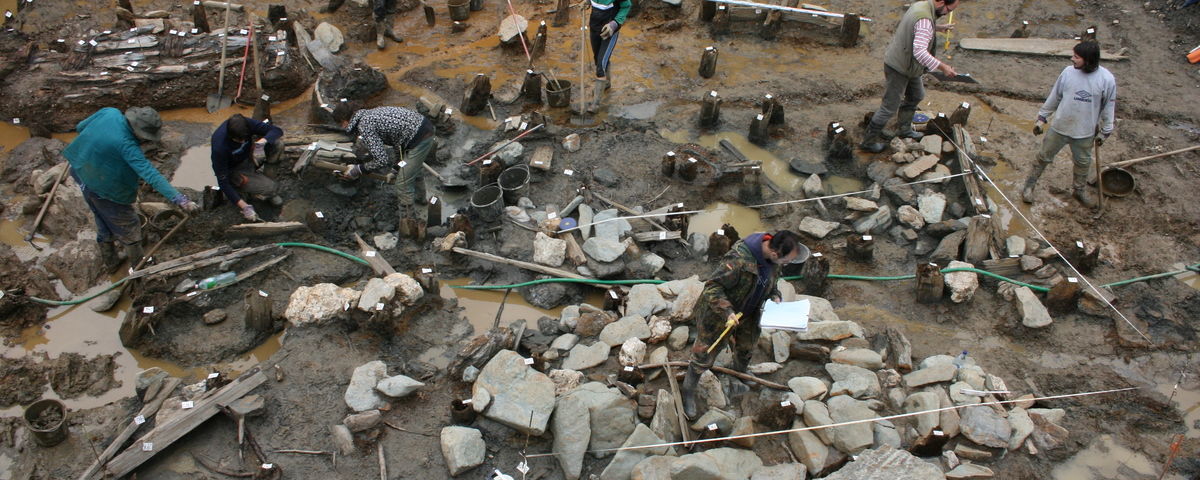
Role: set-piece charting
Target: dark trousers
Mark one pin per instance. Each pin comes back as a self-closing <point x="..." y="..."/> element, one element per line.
<point x="900" y="92"/>
<point x="114" y="221"/>
<point x="602" y="49"/>
<point x="381" y="8"/>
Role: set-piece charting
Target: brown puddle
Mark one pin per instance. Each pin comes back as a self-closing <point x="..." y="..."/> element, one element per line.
<point x="195" y="169"/>
<point x="1105" y="459"/>
<point x="480" y="306"/>
<point x="744" y="219"/>
<point x="13" y="235"/>
<point x="776" y="169"/>
<point x="11" y="135"/>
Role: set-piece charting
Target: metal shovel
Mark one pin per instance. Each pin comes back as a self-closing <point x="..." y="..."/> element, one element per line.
<point x="217" y="101"/>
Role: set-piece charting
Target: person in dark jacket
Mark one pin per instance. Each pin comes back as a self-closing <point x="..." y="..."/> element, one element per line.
<point x="107" y="161"/>
<point x="744" y="280"/>
<point x="234" y="166"/>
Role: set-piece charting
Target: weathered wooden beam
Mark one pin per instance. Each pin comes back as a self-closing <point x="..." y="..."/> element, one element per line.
<point x="266" y="229"/>
<point x="657" y="236"/>
<point x="172" y="430"/>
<point x="1031" y="46"/>
<point x="380" y="266"/>
<point x="147" y="411"/>
<point x="517" y="263"/>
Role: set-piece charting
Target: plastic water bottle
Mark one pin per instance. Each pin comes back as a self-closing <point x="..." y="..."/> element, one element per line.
<point x="961" y="359"/>
<point x="217" y="281"/>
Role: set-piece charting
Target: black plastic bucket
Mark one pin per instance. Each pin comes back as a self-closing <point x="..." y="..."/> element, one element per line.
<point x="487" y="203"/>
<point x="558" y="93"/>
<point x="460" y="10"/>
<point x="514" y="181"/>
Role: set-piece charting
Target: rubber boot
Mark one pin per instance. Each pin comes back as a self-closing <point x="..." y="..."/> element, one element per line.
<point x="598" y="90"/>
<point x="688" y="391"/>
<point x="1082" y="191"/>
<point x="332" y="6"/>
<point x="1031" y="181"/>
<point x="108" y="255"/>
<point x="904" y="128"/>
<point x="133" y="252"/>
<point x="736" y="386"/>
<point x="380" y="41"/>
<point x="388" y="30"/>
<point x="872" y="142"/>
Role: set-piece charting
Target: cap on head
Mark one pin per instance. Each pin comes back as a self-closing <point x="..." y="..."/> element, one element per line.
<point x="145" y="123"/>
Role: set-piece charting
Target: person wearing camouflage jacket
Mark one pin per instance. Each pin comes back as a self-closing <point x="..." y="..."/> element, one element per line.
<point x="742" y="283"/>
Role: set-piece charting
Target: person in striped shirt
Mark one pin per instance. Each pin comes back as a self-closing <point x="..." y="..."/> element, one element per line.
<point x="909" y="55"/>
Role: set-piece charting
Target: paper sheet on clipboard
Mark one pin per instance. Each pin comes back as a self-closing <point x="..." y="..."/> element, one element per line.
<point x="786" y="315"/>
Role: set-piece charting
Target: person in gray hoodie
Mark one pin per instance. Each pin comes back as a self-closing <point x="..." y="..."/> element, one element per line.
<point x="1080" y="110"/>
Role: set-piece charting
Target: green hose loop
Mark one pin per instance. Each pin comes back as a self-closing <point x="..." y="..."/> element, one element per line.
<point x="324" y="249"/>
<point x="559" y="280"/>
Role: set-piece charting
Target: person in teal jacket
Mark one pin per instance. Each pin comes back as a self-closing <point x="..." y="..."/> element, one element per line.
<point x="106" y="161"/>
<point x="604" y="24"/>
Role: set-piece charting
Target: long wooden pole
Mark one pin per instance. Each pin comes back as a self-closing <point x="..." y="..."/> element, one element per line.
<point x="37" y="222"/>
<point x="582" y="56"/>
<point x="1152" y="157"/>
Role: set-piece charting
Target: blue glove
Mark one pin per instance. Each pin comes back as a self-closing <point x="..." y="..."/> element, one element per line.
<point x="185" y="203"/>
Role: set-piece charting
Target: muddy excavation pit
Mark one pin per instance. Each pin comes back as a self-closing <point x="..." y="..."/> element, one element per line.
<point x="1106" y="391"/>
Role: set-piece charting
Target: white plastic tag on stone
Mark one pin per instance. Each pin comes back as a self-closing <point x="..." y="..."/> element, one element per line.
<point x="524" y="124"/>
<point x="552" y="215"/>
<point x="93" y="42"/>
<point x="433" y="201"/>
<point x="671" y="154"/>
<point x="839" y="130"/>
<point x="1091" y="30"/>
<point x="312" y="147"/>
<point x="712" y="427"/>
<point x="213" y="375"/>
<point x="939" y="433"/>
<point x="319" y="215"/>
<point x="1072" y="279"/>
<point x="1013" y="256"/>
<point x="187" y="404"/>
<point x="712" y="93"/>
<point x="487" y="162"/>
<point x="370" y="253"/>
<point x="132" y="40"/>
<point x="81" y="42"/>
<point x="691" y="160"/>
<point x="379" y="306"/>
<point x="529" y="361"/>
<point x="173" y="31"/>
<point x="568" y="172"/>
<point x="628" y="368"/>
<point x="467" y="401"/>
<point x="147" y="446"/>
<point x="140" y="419"/>
<point x="197" y="2"/>
<point x="982" y="139"/>
<point x="134" y="64"/>
<point x="262" y="294"/>
<point x="986" y="216"/>
<point x="129" y="68"/>
<point x="181" y="34"/>
<point x="966" y="105"/>
<point x="867" y="237"/>
<point x="979" y="201"/>
<point x="816" y="254"/>
<point x="450" y="111"/>
<point x="103" y="74"/>
<point x="523" y="467"/>
<point x="8" y="14"/>
<point x="679" y="205"/>
<point x="402" y="164"/>
<point x="759" y="117"/>
<point x="272" y="38"/>
<point x="785" y="403"/>
<point x="16" y="121"/>
<point x="265" y="98"/>
<point x="192" y="294"/>
<point x="1079" y="244"/>
<point x="346" y="306"/>
<point x="836" y="125"/>
<point x="268" y="466"/>
<point x="426" y="270"/>
<point x="244" y="31"/>
<point x="147" y="309"/>
<point x="720" y="231"/>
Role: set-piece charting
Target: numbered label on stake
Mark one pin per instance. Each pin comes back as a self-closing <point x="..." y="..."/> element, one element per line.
<point x="147" y="446"/>
<point x="140" y="419"/>
<point x="147" y="309"/>
<point x="187" y="404"/>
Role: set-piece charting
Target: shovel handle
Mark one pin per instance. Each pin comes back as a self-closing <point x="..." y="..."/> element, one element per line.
<point x="1152" y="157"/>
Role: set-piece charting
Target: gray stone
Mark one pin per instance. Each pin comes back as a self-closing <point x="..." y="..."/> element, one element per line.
<point x="665" y="422"/>
<point x="518" y="393"/>
<point x="816" y="227"/>
<point x="695" y="466"/>
<point x="1033" y="313"/>
<point x="215" y="316"/>
<point x="586" y="217"/>
<point x="860" y="204"/>
<point x="922" y="402"/>
<point x="917" y="167"/>
<point x="77" y="263"/>
<point x="470" y="374"/>
<point x="377" y="291"/>
<point x="929" y="374"/>
<point x="764" y="368"/>
<point x="509" y="154"/>
<point x="386" y="241"/>
<point x="398" y="386"/>
<point x="342" y="439"/>
<point x="733" y="462"/>
<point x="653" y="468"/>
<point x="572" y="142"/>
<point x="885" y="434"/>
<point x="618" y="332"/>
<point x="877" y="222"/>
<point x="856" y="437"/>
<point x="147" y="377"/>
<point x="807" y="447"/>
<point x="859" y="357"/>
<point x="960" y="398"/>
<point x="816" y="414"/>
<point x="900" y="193"/>
<point x="932" y="144"/>
<point x="329" y="36"/>
<point x="779" y="345"/>
<point x="808" y="388"/>
<point x="710" y="390"/>
<point x="686" y="293"/>
<point x="972" y="375"/>
<point x="660" y="329"/>
<point x="646" y="266"/>
<point x="910" y="216"/>
<point x="962" y="285"/>
<point x="850" y="380"/>
<point x="568" y="318"/>
<point x="813" y="187"/>
<point x="1052" y="415"/>
<point x="969" y="470"/>
<point x="887" y="463"/>
<point x="586" y="356"/>
<point x="1015" y="245"/>
<point x="609" y="229"/>
<point x="783" y="471"/>
<point x="932" y="206"/>
<point x="679" y="338"/>
<point x="949" y="419"/>
<point x="603" y="250"/>
<point x="939" y="174"/>
<point x="363" y="421"/>
<point x="623" y="462"/>
<point x="632" y="353"/>
<point x="318" y="303"/>
<point x="714" y="416"/>
<point x="1030" y="263"/>
<point x="879" y="172"/>
<point x="831" y="331"/>
<point x="644" y="300"/>
<point x="571" y="433"/>
<point x="360" y="394"/>
<point x="605" y="176"/>
<point x="1022" y="426"/>
<point x="463" y="448"/>
<point x="565" y="380"/>
<point x="613" y="417"/>
<point x="549" y="251"/>
<point x="565" y="341"/>
<point x="699" y="243"/>
<point x="984" y="426"/>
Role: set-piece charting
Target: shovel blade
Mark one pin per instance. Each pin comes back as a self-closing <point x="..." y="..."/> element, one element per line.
<point x="217" y="101"/>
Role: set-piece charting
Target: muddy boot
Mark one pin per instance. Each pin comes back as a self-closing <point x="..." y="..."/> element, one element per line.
<point x="735" y="386"/>
<point x="1031" y="181"/>
<point x="388" y="30"/>
<point x="380" y="42"/>
<point x="332" y="6"/>
<point x="108" y="255"/>
<point x="904" y="128"/>
<point x="133" y="252"/>
<point x="872" y="141"/>
<point x="599" y="88"/>
<point x="687" y="390"/>
<point x="1082" y="191"/>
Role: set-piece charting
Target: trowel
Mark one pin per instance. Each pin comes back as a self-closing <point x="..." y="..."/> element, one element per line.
<point x="961" y="78"/>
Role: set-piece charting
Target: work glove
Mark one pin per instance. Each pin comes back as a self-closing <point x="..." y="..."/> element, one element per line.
<point x="185" y="203"/>
<point x="1039" y="127"/>
<point x="609" y="29"/>
<point x="249" y="214"/>
<point x="353" y="172"/>
<point x="1100" y="139"/>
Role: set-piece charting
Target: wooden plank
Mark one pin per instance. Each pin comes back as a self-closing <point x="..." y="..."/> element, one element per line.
<point x="204" y="262"/>
<point x="147" y="411"/>
<point x="1052" y="47"/>
<point x="657" y="236"/>
<point x="964" y="146"/>
<point x="380" y="266"/>
<point x="266" y="229"/>
<point x="174" y="429"/>
<point x="675" y="394"/>
<point x="517" y="263"/>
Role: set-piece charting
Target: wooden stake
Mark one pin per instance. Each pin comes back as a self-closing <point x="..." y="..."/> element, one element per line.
<point x="851" y="25"/>
<point x="708" y="61"/>
<point x="258" y="315"/>
<point x="200" y="18"/>
<point x="477" y="95"/>
<point x="860" y="248"/>
<point x="930" y="283"/>
<point x="816" y="273"/>
<point x="380" y="266"/>
<point x="710" y="110"/>
<point x="562" y="14"/>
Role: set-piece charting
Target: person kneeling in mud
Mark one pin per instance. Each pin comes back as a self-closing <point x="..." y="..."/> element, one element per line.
<point x="234" y="166"/>
<point x="396" y="138"/>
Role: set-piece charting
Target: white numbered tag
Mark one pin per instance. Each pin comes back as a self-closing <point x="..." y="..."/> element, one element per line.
<point x="140" y="419"/>
<point x="147" y="446"/>
<point x="568" y="172"/>
<point x="147" y="309"/>
<point x="187" y="404"/>
<point x="319" y="215"/>
<point x="262" y="294"/>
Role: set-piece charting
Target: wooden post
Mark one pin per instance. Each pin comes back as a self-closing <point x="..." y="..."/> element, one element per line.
<point x="816" y="275"/>
<point x="721" y="20"/>
<point x="316" y="222"/>
<point x="721" y="241"/>
<point x="961" y="114"/>
<point x="851" y="24"/>
<point x="531" y="88"/>
<point x="258" y="317"/>
<point x="489" y="171"/>
<point x="539" y="40"/>
<point x="262" y="107"/>
<point x="380" y="266"/>
<point x="126" y="4"/>
<point x="978" y="242"/>
<point x="668" y="164"/>
<point x="200" y="18"/>
<point x="460" y="223"/>
<point x="430" y="18"/>
<point x="1088" y="34"/>
<point x="860" y="248"/>
<point x="707" y="10"/>
<point x="940" y="125"/>
<point x="839" y="145"/>
<point x="475" y="100"/>
<point x="708" y="60"/>
<point x="772" y="109"/>
<point x="688" y="170"/>
<point x="758" y="130"/>
<point x="574" y="253"/>
<point x="930" y="283"/>
<point x="613" y="299"/>
<point x="1077" y="253"/>
<point x="433" y="215"/>
<point x="710" y="111"/>
<point x="427" y="278"/>
<point x="899" y="351"/>
<point x="211" y="198"/>
<point x="562" y="14"/>
<point x="1063" y="296"/>
<point x="750" y="191"/>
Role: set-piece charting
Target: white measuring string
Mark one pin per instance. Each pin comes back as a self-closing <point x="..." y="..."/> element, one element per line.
<point x="847" y="194"/>
<point x="1091" y="286"/>
<point x="842" y="424"/>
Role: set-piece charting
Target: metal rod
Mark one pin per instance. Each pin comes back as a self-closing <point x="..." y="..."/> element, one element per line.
<point x="815" y="13"/>
<point x="518" y="137"/>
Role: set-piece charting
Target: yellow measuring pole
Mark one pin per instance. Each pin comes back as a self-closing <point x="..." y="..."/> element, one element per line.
<point x="949" y="21"/>
<point x="729" y="324"/>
